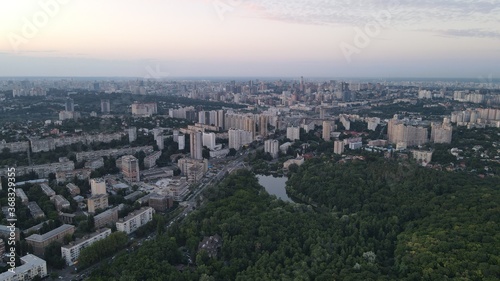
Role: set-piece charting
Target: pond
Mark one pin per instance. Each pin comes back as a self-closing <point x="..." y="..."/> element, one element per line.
<point x="275" y="186"/>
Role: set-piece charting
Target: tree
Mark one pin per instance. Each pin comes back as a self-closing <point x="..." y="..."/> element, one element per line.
<point x="53" y="255"/>
<point x="232" y="152"/>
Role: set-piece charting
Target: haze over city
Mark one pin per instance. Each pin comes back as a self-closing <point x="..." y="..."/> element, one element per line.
<point x="250" y="38"/>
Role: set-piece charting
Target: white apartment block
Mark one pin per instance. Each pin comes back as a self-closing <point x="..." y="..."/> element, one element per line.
<point x="98" y="186"/>
<point x="32" y="266"/>
<point x="272" y="146"/>
<point x="71" y="252"/>
<point x="47" y="190"/>
<point x="293" y="133"/>
<point x="239" y="138"/>
<point x="209" y="140"/>
<point x="135" y="220"/>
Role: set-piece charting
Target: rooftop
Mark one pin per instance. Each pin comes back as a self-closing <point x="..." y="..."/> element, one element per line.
<point x="29" y="261"/>
<point x="50" y="234"/>
<point x="135" y="213"/>
<point x="86" y="237"/>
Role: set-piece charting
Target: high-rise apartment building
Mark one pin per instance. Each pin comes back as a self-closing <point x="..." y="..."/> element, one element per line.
<point x="144" y="109"/>
<point x="239" y="138"/>
<point x="132" y="134"/>
<point x="263" y="121"/>
<point x="293" y="133"/>
<point x="273" y="147"/>
<point x="105" y="106"/>
<point x="130" y="168"/>
<point x="97" y="186"/>
<point x="327" y="130"/>
<point x="69" y="105"/>
<point x="399" y="132"/>
<point x="181" y="141"/>
<point x="441" y="133"/>
<point x="209" y="140"/>
<point x="338" y="147"/>
<point x="196" y="145"/>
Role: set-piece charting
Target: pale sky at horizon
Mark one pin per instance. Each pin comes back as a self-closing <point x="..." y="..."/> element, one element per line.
<point x="176" y="38"/>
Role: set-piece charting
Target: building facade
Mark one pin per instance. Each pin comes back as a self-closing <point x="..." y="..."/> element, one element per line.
<point x="39" y="242"/>
<point x="31" y="267"/>
<point x="71" y="252"/>
<point x="135" y="220"/>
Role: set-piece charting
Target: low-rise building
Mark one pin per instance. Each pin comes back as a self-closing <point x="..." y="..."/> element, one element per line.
<point x="297" y="161"/>
<point x="150" y="160"/>
<point x="67" y="176"/>
<point x="73" y="189"/>
<point x="133" y="196"/>
<point x="158" y="173"/>
<point x="6" y="230"/>
<point x="20" y="193"/>
<point x="39" y="242"/>
<point x="134" y="220"/>
<point x="106" y="218"/>
<point x="71" y="252"/>
<point x="423" y="157"/>
<point x="60" y="202"/>
<point x="67" y="218"/>
<point x="47" y="190"/>
<point x="177" y="187"/>
<point x="31" y="267"/>
<point x="94" y="164"/>
<point x="211" y="245"/>
<point x="43" y="170"/>
<point x="35" y="210"/>
<point x="160" y="202"/>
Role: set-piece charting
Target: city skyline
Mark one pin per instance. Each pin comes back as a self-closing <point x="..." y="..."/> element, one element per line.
<point x="237" y="39"/>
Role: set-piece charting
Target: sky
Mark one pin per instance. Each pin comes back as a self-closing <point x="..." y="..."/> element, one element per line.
<point x="234" y="38"/>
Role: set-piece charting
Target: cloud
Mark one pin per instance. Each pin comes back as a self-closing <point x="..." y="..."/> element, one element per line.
<point x="407" y="14"/>
<point x="475" y="33"/>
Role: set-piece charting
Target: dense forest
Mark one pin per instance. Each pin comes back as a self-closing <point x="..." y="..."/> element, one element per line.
<point x="373" y="220"/>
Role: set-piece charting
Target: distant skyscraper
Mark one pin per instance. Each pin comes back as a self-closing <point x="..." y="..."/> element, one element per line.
<point x="293" y="133"/>
<point x="407" y="135"/>
<point x="181" y="140"/>
<point x="263" y="120"/>
<point x="69" y="105"/>
<point x="160" y="142"/>
<point x="209" y="140"/>
<point x="144" y="109"/>
<point x="322" y="111"/>
<point x="130" y="168"/>
<point x="338" y="147"/>
<point x="239" y="138"/>
<point x="132" y="134"/>
<point x="327" y="129"/>
<point x="105" y="106"/>
<point x="441" y="133"/>
<point x="220" y="119"/>
<point x="272" y="146"/>
<point x="196" y="141"/>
